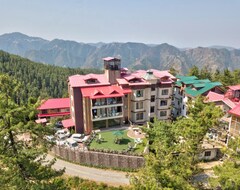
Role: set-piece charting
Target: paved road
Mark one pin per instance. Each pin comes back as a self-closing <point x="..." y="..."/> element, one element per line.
<point x="114" y="178"/>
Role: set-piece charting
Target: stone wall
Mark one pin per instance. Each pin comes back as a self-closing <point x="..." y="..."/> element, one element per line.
<point x="99" y="159"/>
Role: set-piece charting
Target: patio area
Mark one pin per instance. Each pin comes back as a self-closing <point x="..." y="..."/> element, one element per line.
<point x="106" y="140"/>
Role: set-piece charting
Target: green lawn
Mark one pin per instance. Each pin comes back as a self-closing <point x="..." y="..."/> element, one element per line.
<point x="109" y="144"/>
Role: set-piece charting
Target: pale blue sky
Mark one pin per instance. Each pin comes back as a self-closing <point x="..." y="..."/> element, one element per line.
<point x="183" y="23"/>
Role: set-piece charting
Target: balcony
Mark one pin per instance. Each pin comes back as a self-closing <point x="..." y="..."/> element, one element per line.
<point x="107" y="113"/>
<point x="105" y="102"/>
<point x="105" y="116"/>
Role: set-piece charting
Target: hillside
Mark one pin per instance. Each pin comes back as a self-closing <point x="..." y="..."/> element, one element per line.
<point x="38" y="79"/>
<point x="134" y="55"/>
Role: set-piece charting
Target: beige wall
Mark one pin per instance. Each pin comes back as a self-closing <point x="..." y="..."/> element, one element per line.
<point x="147" y="104"/>
<point x="235" y="126"/>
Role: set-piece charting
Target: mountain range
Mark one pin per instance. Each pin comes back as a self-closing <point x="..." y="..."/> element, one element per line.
<point x="133" y="55"/>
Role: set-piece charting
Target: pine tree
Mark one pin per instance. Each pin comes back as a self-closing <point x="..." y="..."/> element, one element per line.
<point x="194" y="71"/>
<point x="227" y="175"/>
<point x="174" y="149"/>
<point x="22" y="145"/>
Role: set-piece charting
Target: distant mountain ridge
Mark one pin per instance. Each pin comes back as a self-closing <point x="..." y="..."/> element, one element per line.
<point x="134" y="55"/>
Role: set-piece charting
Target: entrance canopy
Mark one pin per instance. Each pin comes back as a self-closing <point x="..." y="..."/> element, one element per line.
<point x="39" y="121"/>
<point x="67" y="123"/>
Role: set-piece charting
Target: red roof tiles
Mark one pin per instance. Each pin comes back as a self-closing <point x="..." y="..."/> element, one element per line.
<point x="235" y="111"/>
<point x="68" y="123"/>
<point x="235" y="87"/>
<point x="215" y="97"/>
<point x="55" y="103"/>
<point x="81" y="80"/>
<point x="103" y="92"/>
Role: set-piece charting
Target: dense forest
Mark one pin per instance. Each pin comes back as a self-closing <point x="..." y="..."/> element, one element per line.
<point x="226" y="77"/>
<point x="38" y="79"/>
<point x="170" y="164"/>
<point x="42" y="80"/>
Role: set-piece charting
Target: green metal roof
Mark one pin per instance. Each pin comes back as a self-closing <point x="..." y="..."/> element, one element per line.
<point x="199" y="85"/>
<point x="186" y="77"/>
<point x="185" y="80"/>
<point x="195" y="86"/>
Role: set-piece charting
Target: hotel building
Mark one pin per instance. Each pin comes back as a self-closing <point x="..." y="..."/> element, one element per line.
<point x="118" y="97"/>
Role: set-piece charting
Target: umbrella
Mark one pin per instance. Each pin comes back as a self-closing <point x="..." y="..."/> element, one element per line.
<point x="118" y="133"/>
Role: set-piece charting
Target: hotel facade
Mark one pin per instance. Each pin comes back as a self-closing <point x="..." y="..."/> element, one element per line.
<point x="118" y="97"/>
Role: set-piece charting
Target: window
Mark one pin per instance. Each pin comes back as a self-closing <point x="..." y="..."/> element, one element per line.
<point x="165" y="92"/>
<point x="44" y="111"/>
<point x="139" y="116"/>
<point x="163" y="102"/>
<point x="119" y="109"/>
<point x="91" y="81"/>
<point x="152" y="88"/>
<point x="163" y="113"/>
<point x="183" y="107"/>
<point x="139" y="105"/>
<point x="139" y="93"/>
<point x="152" y="98"/>
<point x="152" y="119"/>
<point x="152" y="109"/>
<point x="207" y="153"/>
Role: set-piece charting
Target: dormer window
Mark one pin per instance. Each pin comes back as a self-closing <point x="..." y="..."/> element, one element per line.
<point x="135" y="80"/>
<point x="91" y="81"/>
<point x="165" y="78"/>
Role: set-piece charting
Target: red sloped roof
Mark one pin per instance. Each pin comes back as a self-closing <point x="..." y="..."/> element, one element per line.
<point x="214" y="97"/>
<point x="55" y="103"/>
<point x="103" y="92"/>
<point x="235" y="111"/>
<point x="228" y="102"/>
<point x="68" y="123"/>
<point x="81" y="80"/>
<point x="235" y="87"/>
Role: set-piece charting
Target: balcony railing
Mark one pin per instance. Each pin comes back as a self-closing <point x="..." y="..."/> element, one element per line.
<point x="107" y="115"/>
<point x="105" y="103"/>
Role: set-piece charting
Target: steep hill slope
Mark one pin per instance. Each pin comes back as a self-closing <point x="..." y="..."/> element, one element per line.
<point x="134" y="55"/>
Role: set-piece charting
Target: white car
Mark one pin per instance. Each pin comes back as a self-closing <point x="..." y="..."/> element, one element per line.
<point x="71" y="143"/>
<point x="78" y="137"/>
<point x="62" y="132"/>
<point x="61" y="139"/>
<point x="50" y="138"/>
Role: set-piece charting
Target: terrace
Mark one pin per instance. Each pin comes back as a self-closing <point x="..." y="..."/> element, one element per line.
<point x="107" y="113"/>
<point x="106" y="101"/>
<point x="118" y="140"/>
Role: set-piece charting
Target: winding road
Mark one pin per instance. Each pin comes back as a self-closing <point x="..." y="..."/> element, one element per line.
<point x="110" y="177"/>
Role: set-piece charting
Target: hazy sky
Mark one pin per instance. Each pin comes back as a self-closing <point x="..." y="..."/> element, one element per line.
<point x="183" y="23"/>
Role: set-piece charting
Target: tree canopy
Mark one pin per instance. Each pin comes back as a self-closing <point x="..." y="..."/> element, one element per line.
<point x="38" y="79"/>
<point x="226" y="77"/>
<point x="22" y="144"/>
<point x="227" y="175"/>
<point x="175" y="148"/>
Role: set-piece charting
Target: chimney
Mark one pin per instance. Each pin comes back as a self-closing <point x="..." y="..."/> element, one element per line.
<point x="112" y="67"/>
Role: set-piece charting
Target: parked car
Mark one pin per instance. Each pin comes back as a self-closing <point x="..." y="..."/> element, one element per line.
<point x="78" y="137"/>
<point x="58" y="126"/>
<point x="63" y="132"/>
<point x="71" y="143"/>
<point x="61" y="139"/>
<point x="50" y="138"/>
